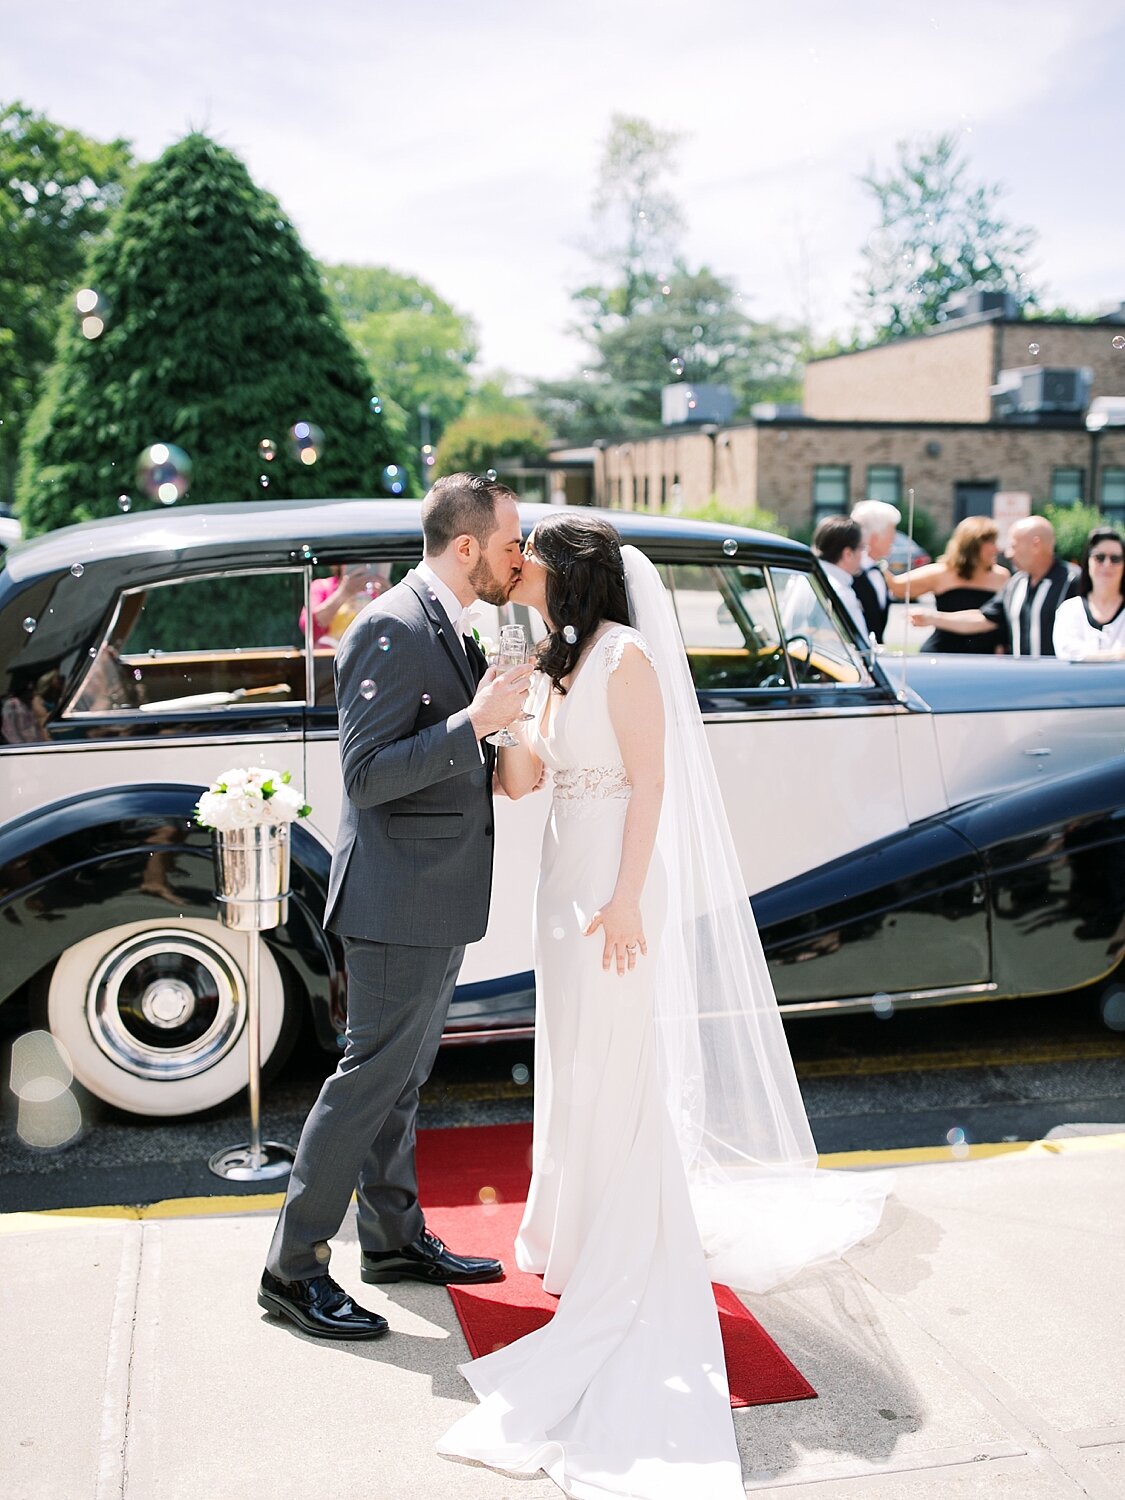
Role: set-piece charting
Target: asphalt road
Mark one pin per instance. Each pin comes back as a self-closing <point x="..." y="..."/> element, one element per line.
<point x="1004" y="1071"/>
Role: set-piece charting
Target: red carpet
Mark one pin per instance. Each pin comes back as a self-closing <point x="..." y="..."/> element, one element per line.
<point x="473" y="1185"/>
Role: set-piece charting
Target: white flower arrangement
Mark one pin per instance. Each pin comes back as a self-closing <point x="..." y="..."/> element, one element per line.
<point x="250" y="798"/>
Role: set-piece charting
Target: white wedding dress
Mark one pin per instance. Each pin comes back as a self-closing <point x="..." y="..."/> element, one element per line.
<point x="624" y="1393"/>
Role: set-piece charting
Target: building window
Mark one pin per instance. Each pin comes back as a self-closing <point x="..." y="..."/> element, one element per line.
<point x="884" y="482"/>
<point x="1067" y="486"/>
<point x="831" y="490"/>
<point x="1113" y="495"/>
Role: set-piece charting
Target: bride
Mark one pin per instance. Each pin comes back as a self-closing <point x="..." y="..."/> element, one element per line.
<point x="671" y="1146"/>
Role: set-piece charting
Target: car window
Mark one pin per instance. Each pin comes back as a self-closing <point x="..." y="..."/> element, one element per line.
<point x="819" y="656"/>
<point x="201" y="643"/>
<point x="729" y="626"/>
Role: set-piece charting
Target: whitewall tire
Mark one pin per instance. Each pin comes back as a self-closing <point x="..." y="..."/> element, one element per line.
<point x="153" y="1014"/>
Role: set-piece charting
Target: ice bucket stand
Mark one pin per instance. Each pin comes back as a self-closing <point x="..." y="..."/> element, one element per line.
<point x="252" y="892"/>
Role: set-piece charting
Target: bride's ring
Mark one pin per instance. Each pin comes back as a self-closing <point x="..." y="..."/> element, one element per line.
<point x="631" y="947"/>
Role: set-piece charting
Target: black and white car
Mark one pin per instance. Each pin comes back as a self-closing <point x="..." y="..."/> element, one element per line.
<point x="911" y="831"/>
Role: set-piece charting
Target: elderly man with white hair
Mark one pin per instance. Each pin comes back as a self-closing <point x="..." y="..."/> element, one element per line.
<point x="878" y="521"/>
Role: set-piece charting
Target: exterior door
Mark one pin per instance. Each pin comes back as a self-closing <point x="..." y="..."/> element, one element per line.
<point x="973" y="497"/>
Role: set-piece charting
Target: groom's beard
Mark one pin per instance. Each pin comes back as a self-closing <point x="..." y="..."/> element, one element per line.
<point x="488" y="587"/>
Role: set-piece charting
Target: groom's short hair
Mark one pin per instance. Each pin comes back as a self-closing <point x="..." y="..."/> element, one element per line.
<point x="461" y="505"/>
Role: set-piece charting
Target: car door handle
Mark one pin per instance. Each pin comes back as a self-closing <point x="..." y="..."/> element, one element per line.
<point x="1037" y="754"/>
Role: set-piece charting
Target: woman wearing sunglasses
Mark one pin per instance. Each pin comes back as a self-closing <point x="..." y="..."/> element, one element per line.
<point x="1091" y="626"/>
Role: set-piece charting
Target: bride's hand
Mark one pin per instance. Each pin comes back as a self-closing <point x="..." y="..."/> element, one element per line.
<point x="620" y="922"/>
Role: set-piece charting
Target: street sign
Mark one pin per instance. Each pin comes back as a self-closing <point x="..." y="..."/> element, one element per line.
<point x="1008" y="507"/>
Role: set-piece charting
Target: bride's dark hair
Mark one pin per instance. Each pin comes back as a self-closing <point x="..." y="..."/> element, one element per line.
<point x="585" y="585"/>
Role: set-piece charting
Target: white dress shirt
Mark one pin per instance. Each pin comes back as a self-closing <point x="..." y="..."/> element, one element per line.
<point x="844" y="585"/>
<point x="445" y="597"/>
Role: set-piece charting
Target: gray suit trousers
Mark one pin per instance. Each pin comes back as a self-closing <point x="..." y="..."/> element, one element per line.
<point x="360" y="1132"/>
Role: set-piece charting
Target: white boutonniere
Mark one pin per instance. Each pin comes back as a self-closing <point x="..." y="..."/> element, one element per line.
<point x="485" y="642"/>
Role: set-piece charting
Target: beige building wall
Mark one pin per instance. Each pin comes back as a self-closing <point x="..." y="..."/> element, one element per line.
<point x="936" y="377"/>
<point x="1067" y="347"/>
<point x="771" y="466"/>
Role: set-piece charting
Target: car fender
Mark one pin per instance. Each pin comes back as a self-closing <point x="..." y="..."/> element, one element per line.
<point x="128" y="854"/>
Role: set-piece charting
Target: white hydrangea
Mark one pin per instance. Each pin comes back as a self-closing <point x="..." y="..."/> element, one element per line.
<point x="250" y="798"/>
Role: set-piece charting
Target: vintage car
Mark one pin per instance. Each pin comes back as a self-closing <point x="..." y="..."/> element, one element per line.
<point x="911" y="832"/>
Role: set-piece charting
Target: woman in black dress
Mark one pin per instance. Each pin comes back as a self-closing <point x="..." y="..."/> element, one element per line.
<point x="965" y="576"/>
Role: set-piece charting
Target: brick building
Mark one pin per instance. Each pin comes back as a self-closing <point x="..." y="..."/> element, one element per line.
<point x="985" y="402"/>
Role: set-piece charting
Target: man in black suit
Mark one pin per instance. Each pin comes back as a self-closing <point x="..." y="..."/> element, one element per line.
<point x="878" y="521"/>
<point x="409" y="888"/>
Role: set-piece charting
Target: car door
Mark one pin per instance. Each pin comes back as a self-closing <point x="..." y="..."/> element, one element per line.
<point x="801" y="730"/>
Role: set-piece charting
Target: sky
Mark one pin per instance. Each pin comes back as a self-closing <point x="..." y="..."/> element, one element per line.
<point x="459" y="140"/>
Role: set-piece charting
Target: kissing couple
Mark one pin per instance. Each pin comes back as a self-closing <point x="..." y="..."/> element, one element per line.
<point x="671" y="1144"/>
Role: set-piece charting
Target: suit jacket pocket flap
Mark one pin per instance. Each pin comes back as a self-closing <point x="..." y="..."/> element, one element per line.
<point x="424" y="825"/>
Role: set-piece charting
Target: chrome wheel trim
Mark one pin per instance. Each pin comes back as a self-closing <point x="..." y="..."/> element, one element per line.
<point x="193" y="1012"/>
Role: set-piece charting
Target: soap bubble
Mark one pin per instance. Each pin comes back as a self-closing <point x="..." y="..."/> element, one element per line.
<point x="1033" y="348"/>
<point x="76" y="570"/>
<point x="426" y="699"/>
<point x="376" y="406"/>
<point x="367" y="688"/>
<point x="92" y="327"/>
<point x="264" y="481"/>
<point x="306" y="441"/>
<point x="267" y="450"/>
<point x="30" y="623"/>
<point x="1118" y="341"/>
<point x="490" y="475"/>
<point x="124" y="503"/>
<point x="958" y="1142"/>
<point x="394" y="479"/>
<point x="569" y="635"/>
<point x="730" y="546"/>
<point x="86" y="300"/>
<point x="488" y="1196"/>
<point x="92" y="311"/>
<point x="521" y="1073"/>
<point x="164" y="473"/>
<point x="676" y="366"/>
<point x="383" y="643"/>
<point x="883" y="1006"/>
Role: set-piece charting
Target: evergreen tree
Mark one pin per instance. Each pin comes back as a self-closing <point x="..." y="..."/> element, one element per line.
<point x="218" y="335"/>
<point x="58" y="189"/>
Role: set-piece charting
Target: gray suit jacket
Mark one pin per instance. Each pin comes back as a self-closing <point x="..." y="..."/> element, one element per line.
<point x="413" y="858"/>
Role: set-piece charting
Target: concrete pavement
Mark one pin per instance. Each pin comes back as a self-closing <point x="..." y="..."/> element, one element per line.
<point x="973" y="1347"/>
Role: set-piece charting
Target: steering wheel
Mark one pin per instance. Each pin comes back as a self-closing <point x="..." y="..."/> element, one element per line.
<point x="797" y="662"/>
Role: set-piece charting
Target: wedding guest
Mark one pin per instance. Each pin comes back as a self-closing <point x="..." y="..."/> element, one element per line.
<point x="1024" y="609"/>
<point x="838" y="542"/>
<point x="966" y="576"/>
<point x="1091" y="626"/>
<point x="337" y="599"/>
<point x="878" y="521"/>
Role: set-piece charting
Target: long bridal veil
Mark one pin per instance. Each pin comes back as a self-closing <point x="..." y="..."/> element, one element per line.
<point x="764" y="1209"/>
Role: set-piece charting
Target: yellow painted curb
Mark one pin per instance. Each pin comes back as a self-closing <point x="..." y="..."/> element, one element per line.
<point x="261" y="1203"/>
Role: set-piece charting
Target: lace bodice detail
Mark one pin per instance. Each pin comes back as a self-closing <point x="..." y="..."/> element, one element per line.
<point x="580" y="747"/>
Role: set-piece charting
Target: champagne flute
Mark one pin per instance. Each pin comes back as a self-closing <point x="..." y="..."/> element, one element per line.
<point x="512" y="652"/>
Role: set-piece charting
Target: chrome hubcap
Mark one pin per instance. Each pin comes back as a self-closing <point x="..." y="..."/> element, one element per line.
<point x="166" y="1004"/>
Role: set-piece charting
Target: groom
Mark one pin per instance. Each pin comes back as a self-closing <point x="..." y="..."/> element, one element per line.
<point x="410" y="885"/>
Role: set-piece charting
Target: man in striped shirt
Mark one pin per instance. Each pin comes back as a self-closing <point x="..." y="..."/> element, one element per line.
<point x="1024" y="609"/>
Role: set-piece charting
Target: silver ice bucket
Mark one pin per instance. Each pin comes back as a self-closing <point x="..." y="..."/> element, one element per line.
<point x="252" y="876"/>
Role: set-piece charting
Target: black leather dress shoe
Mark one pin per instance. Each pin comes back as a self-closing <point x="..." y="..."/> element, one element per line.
<point x="319" y="1307"/>
<point x="427" y="1259"/>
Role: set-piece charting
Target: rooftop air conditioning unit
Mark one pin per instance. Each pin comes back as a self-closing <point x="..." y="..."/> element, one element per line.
<point x="1033" y="391"/>
<point x="776" y="411"/>
<point x="982" y="302"/>
<point x="683" y="404"/>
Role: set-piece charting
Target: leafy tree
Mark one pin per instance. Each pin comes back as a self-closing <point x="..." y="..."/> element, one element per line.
<point x="218" y="335"/>
<point x="1073" y="524"/>
<point x="487" y="436"/>
<point x="938" y="233"/>
<point x="652" y="319"/>
<point x="418" y="349"/>
<point x="57" y="192"/>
